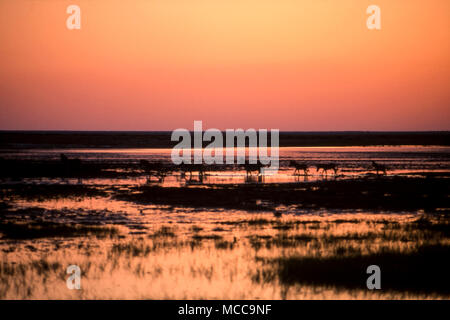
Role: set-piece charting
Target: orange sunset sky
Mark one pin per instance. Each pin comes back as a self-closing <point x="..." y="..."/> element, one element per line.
<point x="161" y="64"/>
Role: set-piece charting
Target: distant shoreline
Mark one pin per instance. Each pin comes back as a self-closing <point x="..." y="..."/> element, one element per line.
<point x="161" y="139"/>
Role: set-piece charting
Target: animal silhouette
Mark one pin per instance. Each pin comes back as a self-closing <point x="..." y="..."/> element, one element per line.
<point x="378" y="167"/>
<point x="192" y="168"/>
<point x="253" y="167"/>
<point x="71" y="167"/>
<point x="154" y="169"/>
<point x="327" y="166"/>
<point x="298" y="166"/>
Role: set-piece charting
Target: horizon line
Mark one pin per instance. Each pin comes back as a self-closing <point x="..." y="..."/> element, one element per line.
<point x="169" y="131"/>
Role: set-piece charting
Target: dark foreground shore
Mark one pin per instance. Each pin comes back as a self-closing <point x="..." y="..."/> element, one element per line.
<point x="85" y="139"/>
<point x="379" y="194"/>
<point x="375" y="194"/>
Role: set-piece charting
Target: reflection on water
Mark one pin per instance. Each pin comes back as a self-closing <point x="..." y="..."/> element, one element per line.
<point x="352" y="162"/>
<point x="177" y="252"/>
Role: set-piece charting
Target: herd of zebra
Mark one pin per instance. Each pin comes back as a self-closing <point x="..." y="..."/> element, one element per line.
<point x="325" y="167"/>
<point x="160" y="170"/>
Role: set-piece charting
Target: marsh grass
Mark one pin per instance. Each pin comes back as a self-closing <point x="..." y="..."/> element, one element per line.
<point x="422" y="270"/>
<point x="164" y="232"/>
<point x="133" y="249"/>
<point x="41" y="266"/>
<point x="224" y="244"/>
<point x="143" y="248"/>
<point x="254" y="256"/>
<point x="196" y="228"/>
<point x="198" y="237"/>
<point x="17" y="277"/>
<point x="323" y="235"/>
<point x="247" y="222"/>
<point x="412" y="255"/>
